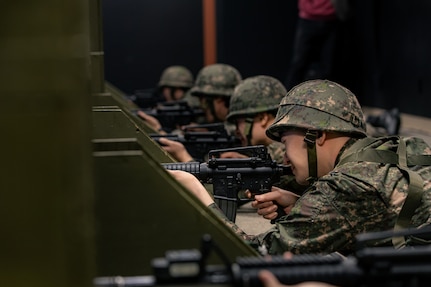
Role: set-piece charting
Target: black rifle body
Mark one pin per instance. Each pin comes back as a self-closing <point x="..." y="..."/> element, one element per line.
<point x="229" y="176"/>
<point x="147" y="98"/>
<point x="173" y="115"/>
<point x="372" y="267"/>
<point x="367" y="267"/>
<point x="199" y="143"/>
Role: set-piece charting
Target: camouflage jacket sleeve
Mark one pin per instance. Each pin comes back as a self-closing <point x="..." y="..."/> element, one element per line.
<point x="327" y="217"/>
<point x="318" y="223"/>
<point x="354" y="198"/>
<point x="214" y="207"/>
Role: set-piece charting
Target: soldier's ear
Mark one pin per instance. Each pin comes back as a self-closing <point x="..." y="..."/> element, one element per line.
<point x="264" y="119"/>
<point x="322" y="136"/>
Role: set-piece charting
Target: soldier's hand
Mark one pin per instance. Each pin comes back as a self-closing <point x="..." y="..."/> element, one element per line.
<point x="151" y="121"/>
<point x="265" y="203"/>
<point x="232" y="154"/>
<point x="176" y="149"/>
<point x="190" y="182"/>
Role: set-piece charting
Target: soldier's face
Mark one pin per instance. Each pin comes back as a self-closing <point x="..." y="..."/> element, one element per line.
<point x="178" y="94"/>
<point x="257" y="132"/>
<point x="240" y="131"/>
<point x="172" y="94"/>
<point x="204" y="103"/>
<point x="296" y="154"/>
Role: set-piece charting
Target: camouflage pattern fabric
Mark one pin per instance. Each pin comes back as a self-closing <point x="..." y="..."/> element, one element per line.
<point x="216" y="80"/>
<point x="354" y="198"/>
<point x="176" y="76"/>
<point x="191" y="101"/>
<point x="230" y="128"/>
<point x="276" y="151"/>
<point x="319" y="105"/>
<point x="255" y="95"/>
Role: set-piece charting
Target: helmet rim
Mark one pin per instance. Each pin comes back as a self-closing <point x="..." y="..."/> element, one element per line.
<point x="319" y="105"/>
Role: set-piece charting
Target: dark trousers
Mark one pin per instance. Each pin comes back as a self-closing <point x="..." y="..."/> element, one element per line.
<point x="313" y="51"/>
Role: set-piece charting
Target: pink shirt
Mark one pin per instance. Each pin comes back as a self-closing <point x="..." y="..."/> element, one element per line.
<point x="316" y="10"/>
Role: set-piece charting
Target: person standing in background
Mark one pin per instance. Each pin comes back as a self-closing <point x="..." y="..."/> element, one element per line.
<point x="318" y="31"/>
<point x="315" y="40"/>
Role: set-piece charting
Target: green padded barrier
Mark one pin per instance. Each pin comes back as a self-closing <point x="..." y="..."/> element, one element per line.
<point x="141" y="211"/>
<point x="46" y="180"/>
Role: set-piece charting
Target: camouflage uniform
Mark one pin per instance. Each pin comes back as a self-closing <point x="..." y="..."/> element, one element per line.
<point x="252" y="96"/>
<point x="255" y="95"/>
<point x="276" y="151"/>
<point x="177" y="77"/>
<point x="216" y="80"/>
<point x="363" y="193"/>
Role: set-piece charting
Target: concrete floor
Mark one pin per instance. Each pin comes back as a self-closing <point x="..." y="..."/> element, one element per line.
<point x="411" y="125"/>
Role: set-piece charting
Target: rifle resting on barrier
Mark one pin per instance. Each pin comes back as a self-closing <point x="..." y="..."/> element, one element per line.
<point x="256" y="173"/>
<point x="146" y="98"/>
<point x="368" y="267"/>
<point x="198" y="143"/>
<point x="174" y="114"/>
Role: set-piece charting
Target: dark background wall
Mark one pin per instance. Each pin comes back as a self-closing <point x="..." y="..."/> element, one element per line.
<point x="384" y="56"/>
<point x="142" y="37"/>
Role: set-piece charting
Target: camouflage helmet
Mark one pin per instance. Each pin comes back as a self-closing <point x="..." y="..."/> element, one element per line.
<point x="176" y="76"/>
<point x="216" y="80"/>
<point x="255" y="95"/>
<point x="319" y="105"/>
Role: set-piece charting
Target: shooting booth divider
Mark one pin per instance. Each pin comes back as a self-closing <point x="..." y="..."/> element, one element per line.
<point x="141" y="211"/>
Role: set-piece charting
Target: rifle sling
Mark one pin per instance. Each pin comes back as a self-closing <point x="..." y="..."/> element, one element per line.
<point x="310" y="140"/>
<point x="413" y="198"/>
<point x="248" y="127"/>
<point x="402" y="160"/>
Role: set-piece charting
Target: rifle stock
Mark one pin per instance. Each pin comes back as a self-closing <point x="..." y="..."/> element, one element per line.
<point x="256" y="173"/>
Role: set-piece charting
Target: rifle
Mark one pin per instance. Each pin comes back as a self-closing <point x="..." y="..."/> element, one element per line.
<point x="229" y="176"/>
<point x="367" y="267"/>
<point x="198" y="143"/>
<point x="174" y="114"/>
<point x="146" y="98"/>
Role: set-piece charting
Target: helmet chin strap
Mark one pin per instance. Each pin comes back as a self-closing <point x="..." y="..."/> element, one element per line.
<point x="171" y="93"/>
<point x="310" y="140"/>
<point x="248" y="128"/>
<point x="210" y="106"/>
